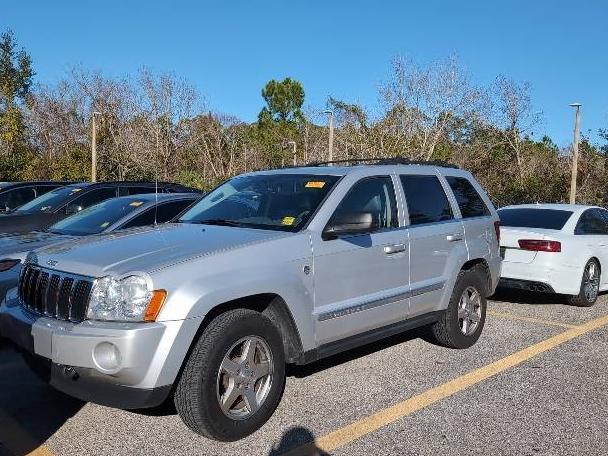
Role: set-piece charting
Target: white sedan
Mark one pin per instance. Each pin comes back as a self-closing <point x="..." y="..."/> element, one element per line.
<point x="555" y="248"/>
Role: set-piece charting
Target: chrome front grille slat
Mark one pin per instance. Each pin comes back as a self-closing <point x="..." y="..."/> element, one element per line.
<point x="55" y="294"/>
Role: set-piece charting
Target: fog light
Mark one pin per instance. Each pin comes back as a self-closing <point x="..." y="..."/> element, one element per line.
<point x="107" y="356"/>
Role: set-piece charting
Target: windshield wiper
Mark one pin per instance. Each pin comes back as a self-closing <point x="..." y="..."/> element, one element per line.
<point x="219" y="222"/>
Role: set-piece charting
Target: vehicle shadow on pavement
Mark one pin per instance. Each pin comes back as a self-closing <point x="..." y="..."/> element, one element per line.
<point x="297" y="437"/>
<point x="30" y="410"/>
<point x="360" y="352"/>
<point x="526" y="297"/>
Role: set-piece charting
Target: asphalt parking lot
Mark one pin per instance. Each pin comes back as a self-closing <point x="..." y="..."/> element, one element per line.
<point x="535" y="384"/>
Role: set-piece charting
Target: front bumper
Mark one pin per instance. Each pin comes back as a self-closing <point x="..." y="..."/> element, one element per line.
<point x="103" y="362"/>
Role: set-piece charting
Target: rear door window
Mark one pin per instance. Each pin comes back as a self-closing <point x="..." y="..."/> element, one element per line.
<point x="426" y="199"/>
<point x="592" y="222"/>
<point x="469" y="201"/>
<point x="549" y="219"/>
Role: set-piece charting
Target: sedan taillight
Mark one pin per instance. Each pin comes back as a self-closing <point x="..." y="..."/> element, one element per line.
<point x="538" y="245"/>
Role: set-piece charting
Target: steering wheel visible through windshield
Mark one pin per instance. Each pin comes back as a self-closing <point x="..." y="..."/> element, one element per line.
<point x="266" y="201"/>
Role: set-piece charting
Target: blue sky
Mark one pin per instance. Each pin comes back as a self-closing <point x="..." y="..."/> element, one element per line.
<point x="230" y="49"/>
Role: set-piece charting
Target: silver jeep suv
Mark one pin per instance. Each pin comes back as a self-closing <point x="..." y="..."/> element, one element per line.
<point x="271" y="267"/>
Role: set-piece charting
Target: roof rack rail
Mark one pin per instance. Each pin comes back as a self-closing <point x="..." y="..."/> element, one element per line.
<point x="386" y="161"/>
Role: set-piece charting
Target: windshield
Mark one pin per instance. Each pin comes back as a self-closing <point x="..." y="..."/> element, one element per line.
<point x="50" y="200"/>
<point x="549" y="219"/>
<point x="274" y="201"/>
<point x="96" y="219"/>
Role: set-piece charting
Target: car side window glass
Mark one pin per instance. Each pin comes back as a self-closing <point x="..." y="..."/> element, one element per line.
<point x="592" y="222"/>
<point x="124" y="191"/>
<point x="375" y="195"/>
<point x="143" y="219"/>
<point x="168" y="211"/>
<point x="165" y="213"/>
<point x="426" y="199"/>
<point x="89" y="198"/>
<point x="17" y="197"/>
<point x="469" y="201"/>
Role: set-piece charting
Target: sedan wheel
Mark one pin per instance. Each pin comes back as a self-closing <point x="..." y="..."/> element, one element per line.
<point x="590" y="285"/>
<point x="591" y="281"/>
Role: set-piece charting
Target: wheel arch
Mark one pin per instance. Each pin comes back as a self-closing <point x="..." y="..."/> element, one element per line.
<point x="272" y="306"/>
<point x="483" y="267"/>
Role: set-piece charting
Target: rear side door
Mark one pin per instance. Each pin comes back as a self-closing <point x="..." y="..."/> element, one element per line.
<point x="437" y="244"/>
<point x="362" y="281"/>
<point x="479" y="229"/>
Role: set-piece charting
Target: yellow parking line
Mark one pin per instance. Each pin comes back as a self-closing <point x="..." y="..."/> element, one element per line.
<point x="347" y="434"/>
<point x="529" y="319"/>
<point x="17" y="440"/>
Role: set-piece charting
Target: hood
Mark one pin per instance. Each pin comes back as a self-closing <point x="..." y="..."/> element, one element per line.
<point x="148" y="248"/>
<point x="17" y="245"/>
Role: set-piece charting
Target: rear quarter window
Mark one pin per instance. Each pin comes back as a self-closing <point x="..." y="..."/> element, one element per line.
<point x="549" y="219"/>
<point x="469" y="201"/>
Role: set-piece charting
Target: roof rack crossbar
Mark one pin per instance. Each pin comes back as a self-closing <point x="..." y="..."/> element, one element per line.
<point x="386" y="161"/>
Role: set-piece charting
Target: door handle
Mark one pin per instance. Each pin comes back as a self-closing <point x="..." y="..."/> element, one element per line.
<point x="454" y="237"/>
<point x="395" y="248"/>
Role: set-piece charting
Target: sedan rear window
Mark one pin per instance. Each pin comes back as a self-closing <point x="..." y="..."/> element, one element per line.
<point x="549" y="219"/>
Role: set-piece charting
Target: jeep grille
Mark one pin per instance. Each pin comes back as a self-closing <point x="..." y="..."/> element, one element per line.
<point x="54" y="294"/>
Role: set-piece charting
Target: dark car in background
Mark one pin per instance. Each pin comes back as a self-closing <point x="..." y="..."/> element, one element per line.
<point x="61" y="202"/>
<point x="108" y="216"/>
<point x="15" y="194"/>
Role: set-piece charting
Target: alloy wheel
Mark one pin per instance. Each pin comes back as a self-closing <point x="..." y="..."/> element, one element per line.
<point x="469" y="311"/>
<point x="245" y="377"/>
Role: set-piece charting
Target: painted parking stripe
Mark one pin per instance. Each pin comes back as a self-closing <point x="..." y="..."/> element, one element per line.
<point x="511" y="316"/>
<point x="358" y="429"/>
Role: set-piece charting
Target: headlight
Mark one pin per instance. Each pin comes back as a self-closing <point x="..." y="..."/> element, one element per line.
<point x="128" y="299"/>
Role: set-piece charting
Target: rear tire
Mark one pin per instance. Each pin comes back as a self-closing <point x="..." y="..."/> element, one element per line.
<point x="234" y="377"/>
<point x="590" y="285"/>
<point x="462" y="323"/>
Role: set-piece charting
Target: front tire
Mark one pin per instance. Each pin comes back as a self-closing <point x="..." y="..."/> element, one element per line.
<point x="462" y="323"/>
<point x="234" y="377"/>
<point x="590" y="285"/>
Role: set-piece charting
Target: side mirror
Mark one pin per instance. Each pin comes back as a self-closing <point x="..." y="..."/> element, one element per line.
<point x="73" y="209"/>
<point x="350" y="223"/>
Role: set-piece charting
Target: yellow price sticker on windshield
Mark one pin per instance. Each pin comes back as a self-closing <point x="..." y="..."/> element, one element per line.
<point x="288" y="220"/>
<point x="76" y="190"/>
<point x="136" y="203"/>
<point x="315" y="184"/>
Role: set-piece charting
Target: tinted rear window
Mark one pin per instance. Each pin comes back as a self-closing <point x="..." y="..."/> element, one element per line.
<point x="550" y="219"/>
<point x="469" y="201"/>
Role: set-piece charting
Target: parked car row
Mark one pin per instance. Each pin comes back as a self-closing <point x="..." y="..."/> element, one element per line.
<point x="270" y="268"/>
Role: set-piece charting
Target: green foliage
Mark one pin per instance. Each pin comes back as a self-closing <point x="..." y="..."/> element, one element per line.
<point x="15" y="82"/>
<point x="284" y="101"/>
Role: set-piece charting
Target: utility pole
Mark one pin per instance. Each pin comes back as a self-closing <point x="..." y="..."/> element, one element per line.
<point x="330" y="155"/>
<point x="293" y="145"/>
<point x="94" y="147"/>
<point x="577" y="131"/>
